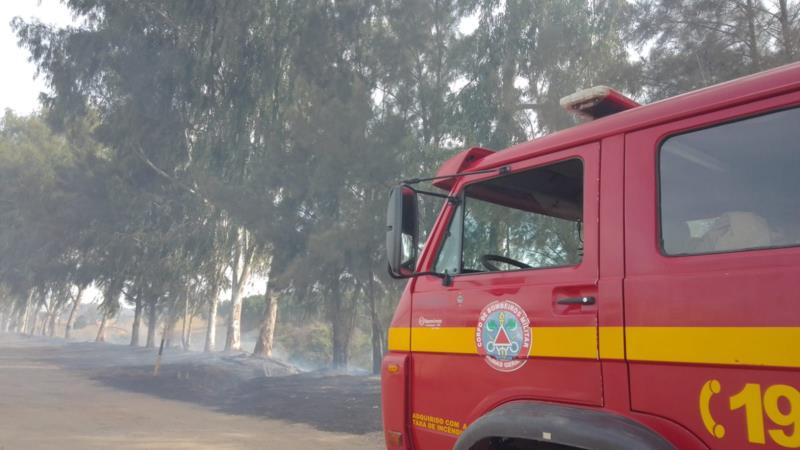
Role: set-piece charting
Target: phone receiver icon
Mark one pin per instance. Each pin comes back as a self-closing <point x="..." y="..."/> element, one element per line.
<point x="709" y="389"/>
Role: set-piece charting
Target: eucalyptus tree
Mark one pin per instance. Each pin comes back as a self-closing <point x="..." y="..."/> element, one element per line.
<point x="412" y="131"/>
<point x="335" y="109"/>
<point x="214" y="275"/>
<point x="12" y="306"/>
<point x="242" y="135"/>
<point x="6" y="309"/>
<point x="171" y="101"/>
<point x="241" y="268"/>
<point x="43" y="213"/>
<point x="524" y="56"/>
<point x="697" y="43"/>
<point x="132" y="293"/>
<point x="81" y="277"/>
<point x="785" y="26"/>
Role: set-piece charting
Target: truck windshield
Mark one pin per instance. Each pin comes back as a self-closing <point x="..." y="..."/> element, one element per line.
<point x="527" y="220"/>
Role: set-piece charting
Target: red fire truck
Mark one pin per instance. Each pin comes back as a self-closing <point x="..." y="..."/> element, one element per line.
<point x="629" y="283"/>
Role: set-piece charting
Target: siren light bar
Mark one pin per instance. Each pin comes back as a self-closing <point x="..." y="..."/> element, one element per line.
<point x="597" y="102"/>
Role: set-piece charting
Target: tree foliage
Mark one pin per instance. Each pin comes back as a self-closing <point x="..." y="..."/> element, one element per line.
<point x="186" y="144"/>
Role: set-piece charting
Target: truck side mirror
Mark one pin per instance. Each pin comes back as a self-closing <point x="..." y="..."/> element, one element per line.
<point x="402" y="231"/>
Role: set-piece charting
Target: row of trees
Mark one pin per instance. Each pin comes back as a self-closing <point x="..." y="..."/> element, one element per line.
<point x="187" y="145"/>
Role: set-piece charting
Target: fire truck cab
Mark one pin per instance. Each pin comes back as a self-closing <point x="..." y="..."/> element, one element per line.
<point x="630" y="283"/>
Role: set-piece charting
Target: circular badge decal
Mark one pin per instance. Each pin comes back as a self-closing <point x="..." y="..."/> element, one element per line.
<point x="503" y="335"/>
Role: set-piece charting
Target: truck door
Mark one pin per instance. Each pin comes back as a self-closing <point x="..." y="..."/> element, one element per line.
<point x="712" y="238"/>
<point x="519" y="320"/>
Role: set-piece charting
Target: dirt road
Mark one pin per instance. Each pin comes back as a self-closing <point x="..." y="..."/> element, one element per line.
<point x="44" y="405"/>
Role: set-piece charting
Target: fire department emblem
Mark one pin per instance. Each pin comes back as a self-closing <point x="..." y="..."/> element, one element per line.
<point x="503" y="335"/>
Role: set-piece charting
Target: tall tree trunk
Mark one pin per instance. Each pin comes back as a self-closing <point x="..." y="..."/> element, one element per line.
<point x="30" y="328"/>
<point x="752" y="38"/>
<point x="241" y="274"/>
<point x="787" y="41"/>
<point x="342" y="322"/>
<point x="184" y="342"/>
<point x="14" y="319"/>
<point x="189" y="332"/>
<point x="17" y="322"/>
<point x="152" y="319"/>
<point x="211" y="330"/>
<point x="5" y="313"/>
<point x="51" y="326"/>
<point x="11" y="320"/>
<point x="8" y="325"/>
<point x="26" y="313"/>
<point x="137" y="320"/>
<point x="45" y="320"/>
<point x="233" y="338"/>
<point x="171" y="325"/>
<point x="101" y="332"/>
<point x="266" y="336"/>
<point x="377" y="328"/>
<point x="110" y="305"/>
<point x="340" y="342"/>
<point x="70" y="320"/>
<point x="506" y="134"/>
<point x="34" y="318"/>
<point x="21" y="318"/>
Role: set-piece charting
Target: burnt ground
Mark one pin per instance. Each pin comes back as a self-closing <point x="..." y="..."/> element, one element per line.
<point x="342" y="403"/>
<point x="323" y="406"/>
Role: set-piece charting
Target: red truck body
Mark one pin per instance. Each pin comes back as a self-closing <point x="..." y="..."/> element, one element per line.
<point x="692" y="349"/>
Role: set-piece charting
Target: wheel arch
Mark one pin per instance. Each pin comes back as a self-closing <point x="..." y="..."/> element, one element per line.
<point x="565" y="425"/>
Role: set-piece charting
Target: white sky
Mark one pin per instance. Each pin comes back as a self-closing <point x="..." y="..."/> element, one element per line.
<point x="19" y="90"/>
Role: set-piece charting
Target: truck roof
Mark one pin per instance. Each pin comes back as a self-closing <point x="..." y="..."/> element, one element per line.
<point x="742" y="90"/>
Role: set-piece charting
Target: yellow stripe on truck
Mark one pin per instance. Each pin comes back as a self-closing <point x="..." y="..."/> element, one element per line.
<point x="757" y="346"/>
<point x="444" y="340"/>
<point x="563" y="342"/>
<point x="399" y="339"/>
<point x="612" y="343"/>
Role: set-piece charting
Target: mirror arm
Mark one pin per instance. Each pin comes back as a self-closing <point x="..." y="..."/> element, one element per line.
<point x="447" y="279"/>
<point x="449" y="198"/>
<point x="501" y="170"/>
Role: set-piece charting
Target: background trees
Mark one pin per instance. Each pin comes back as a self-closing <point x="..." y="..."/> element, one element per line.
<point x="696" y="43"/>
<point x="188" y="146"/>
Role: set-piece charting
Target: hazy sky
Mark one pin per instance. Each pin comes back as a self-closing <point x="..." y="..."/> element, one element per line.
<point x="18" y="88"/>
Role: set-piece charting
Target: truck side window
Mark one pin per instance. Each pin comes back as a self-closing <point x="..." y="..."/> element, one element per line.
<point x="731" y="187"/>
<point x="527" y="220"/>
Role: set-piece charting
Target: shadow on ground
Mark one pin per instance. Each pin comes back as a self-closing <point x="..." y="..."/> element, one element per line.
<point x="342" y="403"/>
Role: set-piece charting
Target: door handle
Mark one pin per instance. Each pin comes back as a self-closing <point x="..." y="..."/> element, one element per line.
<point x="576" y="301"/>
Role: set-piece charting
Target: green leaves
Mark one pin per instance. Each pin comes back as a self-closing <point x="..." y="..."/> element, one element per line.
<point x="178" y="122"/>
<point x="697" y="43"/>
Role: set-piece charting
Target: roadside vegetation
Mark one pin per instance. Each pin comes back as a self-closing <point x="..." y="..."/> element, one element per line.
<point x="188" y="148"/>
